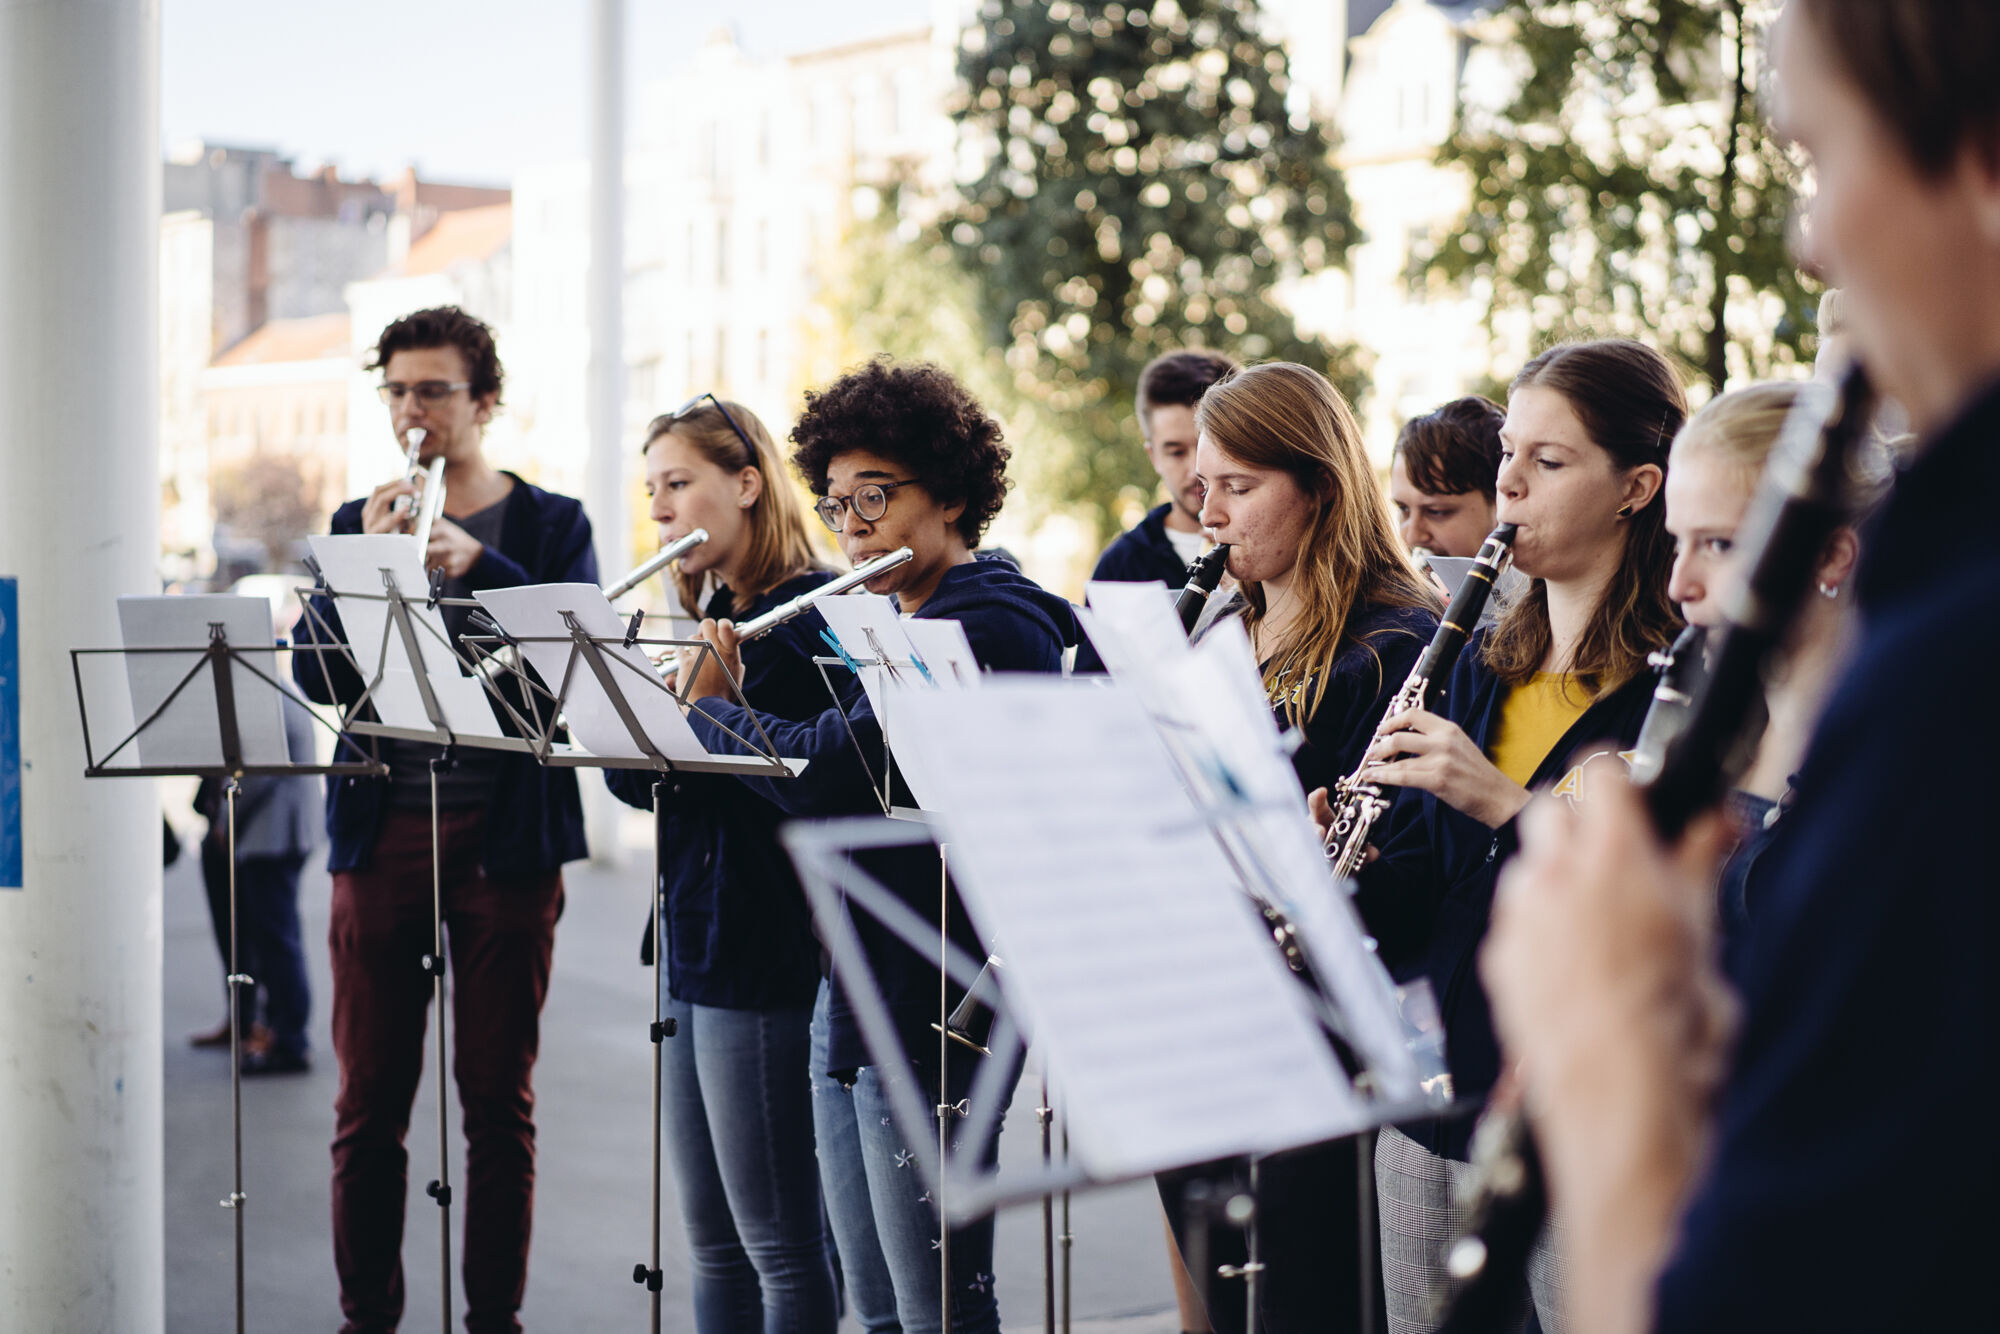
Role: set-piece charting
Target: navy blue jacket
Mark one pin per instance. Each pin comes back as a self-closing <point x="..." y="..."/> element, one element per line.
<point x="1142" y="554"/>
<point x="738" y="933"/>
<point x="1013" y="625"/>
<point x="1852" y="1178"/>
<point x="535" y="823"/>
<point x="1428" y="897"/>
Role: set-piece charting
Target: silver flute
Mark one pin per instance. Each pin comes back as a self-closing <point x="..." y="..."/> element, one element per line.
<point x="799" y="605"/>
<point x="656" y="562"/>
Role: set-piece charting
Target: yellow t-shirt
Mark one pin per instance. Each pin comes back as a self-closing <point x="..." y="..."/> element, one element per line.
<point x="1533" y="718"/>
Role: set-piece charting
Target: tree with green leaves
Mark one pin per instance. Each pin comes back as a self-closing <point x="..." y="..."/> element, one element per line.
<point x="1148" y="180"/>
<point x="1632" y="185"/>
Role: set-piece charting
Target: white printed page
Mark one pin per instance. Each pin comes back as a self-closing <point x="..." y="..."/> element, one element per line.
<point x="1133" y="958"/>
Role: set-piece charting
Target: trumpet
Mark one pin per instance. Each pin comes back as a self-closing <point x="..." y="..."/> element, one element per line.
<point x="861" y="574"/>
<point x="413" y="469"/>
<point x="653" y="564"/>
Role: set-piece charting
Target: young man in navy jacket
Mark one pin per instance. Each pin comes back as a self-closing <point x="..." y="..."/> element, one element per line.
<point x="1829" y="1169"/>
<point x="506" y="826"/>
<point x="1159" y="547"/>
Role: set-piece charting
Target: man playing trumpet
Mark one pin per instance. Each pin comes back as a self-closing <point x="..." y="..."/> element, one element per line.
<point x="506" y="827"/>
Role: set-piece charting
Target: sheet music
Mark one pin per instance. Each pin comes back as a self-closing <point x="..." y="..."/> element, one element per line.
<point x="870" y="626"/>
<point x="1450" y="571"/>
<point x="352" y="564"/>
<point x="189" y="733"/>
<point x="535" y="612"/>
<point x="1128" y="945"/>
<point x="1210" y="706"/>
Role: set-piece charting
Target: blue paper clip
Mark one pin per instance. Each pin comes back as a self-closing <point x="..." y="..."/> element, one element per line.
<point x="835" y="645"/>
<point x="918" y="663"/>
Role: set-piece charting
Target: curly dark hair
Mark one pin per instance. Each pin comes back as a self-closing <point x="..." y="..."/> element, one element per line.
<point x="445" y="326"/>
<point x="920" y="417"/>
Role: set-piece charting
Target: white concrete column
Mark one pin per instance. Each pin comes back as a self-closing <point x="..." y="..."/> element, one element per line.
<point x="604" y="489"/>
<point x="80" y="1118"/>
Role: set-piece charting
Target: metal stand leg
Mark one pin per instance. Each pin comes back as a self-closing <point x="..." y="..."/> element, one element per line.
<point x="440" y="1189"/>
<point x="1043" y="1115"/>
<point x="649" y="1272"/>
<point x="1067" y="1239"/>
<point x="1240" y="1210"/>
<point x="237" y="981"/>
<point x="944" y="1110"/>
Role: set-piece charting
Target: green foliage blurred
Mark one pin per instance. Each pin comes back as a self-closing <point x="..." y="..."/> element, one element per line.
<point x="1632" y="185"/>
<point x="1145" y="178"/>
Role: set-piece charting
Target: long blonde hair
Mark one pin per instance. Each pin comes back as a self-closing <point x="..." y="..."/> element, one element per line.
<point x="780" y="542"/>
<point x="1289" y="417"/>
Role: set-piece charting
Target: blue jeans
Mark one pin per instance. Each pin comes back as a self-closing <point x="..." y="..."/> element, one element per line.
<point x="906" y="1218"/>
<point x="268" y="947"/>
<point x="844" y="1182"/>
<point x="739" y="1135"/>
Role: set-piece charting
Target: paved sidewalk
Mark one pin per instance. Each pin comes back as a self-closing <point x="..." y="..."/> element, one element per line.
<point x="593" y="1089"/>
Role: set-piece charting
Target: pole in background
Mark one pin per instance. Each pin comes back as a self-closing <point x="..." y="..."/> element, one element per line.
<point x="81" y="1234"/>
<point x="605" y="496"/>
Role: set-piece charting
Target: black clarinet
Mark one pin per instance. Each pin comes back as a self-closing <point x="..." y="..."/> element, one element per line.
<point x="1797" y="506"/>
<point x="1204" y="573"/>
<point x="1359" y="803"/>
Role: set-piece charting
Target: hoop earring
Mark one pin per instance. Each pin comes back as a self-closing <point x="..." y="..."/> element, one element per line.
<point x="1829" y="591"/>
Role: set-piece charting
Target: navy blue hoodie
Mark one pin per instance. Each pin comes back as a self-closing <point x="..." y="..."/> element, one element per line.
<point x="1428" y="897"/>
<point x="737" y="930"/>
<point x="535" y="822"/>
<point x="1013" y="625"/>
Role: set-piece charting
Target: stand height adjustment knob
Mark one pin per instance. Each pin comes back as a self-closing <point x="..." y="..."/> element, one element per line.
<point x="652" y="1278"/>
<point x="660" y="1029"/>
<point x="440" y="1192"/>
<point x="434" y="965"/>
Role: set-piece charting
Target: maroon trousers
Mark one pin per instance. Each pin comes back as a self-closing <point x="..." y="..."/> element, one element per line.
<point x="500" y="937"/>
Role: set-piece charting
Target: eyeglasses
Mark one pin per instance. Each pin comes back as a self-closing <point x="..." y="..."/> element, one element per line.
<point x="870" y="501"/>
<point x="665" y="422"/>
<point x="427" y="391"/>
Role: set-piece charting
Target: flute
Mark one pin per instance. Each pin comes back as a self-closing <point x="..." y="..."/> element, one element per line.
<point x="799" y="605"/>
<point x="1795" y="508"/>
<point x="1358" y="803"/>
<point x="656" y="562"/>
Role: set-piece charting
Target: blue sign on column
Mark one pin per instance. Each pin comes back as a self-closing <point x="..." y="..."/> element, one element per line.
<point x="10" y="736"/>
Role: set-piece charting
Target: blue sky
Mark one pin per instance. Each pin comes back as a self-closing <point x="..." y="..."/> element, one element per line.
<point x="468" y="91"/>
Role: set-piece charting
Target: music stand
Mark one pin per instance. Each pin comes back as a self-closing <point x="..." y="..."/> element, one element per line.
<point x="1052" y="785"/>
<point x="184" y="730"/>
<point x="625" y="714"/>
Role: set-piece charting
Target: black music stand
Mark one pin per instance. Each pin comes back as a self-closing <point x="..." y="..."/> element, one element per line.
<point x="218" y="660"/>
<point x="615" y="670"/>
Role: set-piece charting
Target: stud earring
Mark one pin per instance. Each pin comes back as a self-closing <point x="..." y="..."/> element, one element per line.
<point x="1829" y="591"/>
<point x="1625" y="511"/>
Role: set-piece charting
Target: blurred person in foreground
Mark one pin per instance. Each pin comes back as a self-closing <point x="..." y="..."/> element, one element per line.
<point x="1815" y="1173"/>
<point x="506" y="826"/>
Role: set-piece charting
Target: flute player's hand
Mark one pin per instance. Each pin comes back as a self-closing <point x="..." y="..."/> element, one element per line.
<point x="717" y="669"/>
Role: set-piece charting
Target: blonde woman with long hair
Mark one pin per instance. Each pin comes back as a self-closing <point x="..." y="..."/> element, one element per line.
<point x="742" y="964"/>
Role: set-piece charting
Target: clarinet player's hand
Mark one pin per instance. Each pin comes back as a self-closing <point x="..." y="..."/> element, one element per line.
<point x="1416" y="748"/>
<point x="719" y="668"/>
<point x="1320" y="803"/>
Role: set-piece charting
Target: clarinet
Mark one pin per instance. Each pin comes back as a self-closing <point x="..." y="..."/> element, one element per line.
<point x="1358" y="803"/>
<point x="1204" y="573"/>
<point x="1796" y="508"/>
